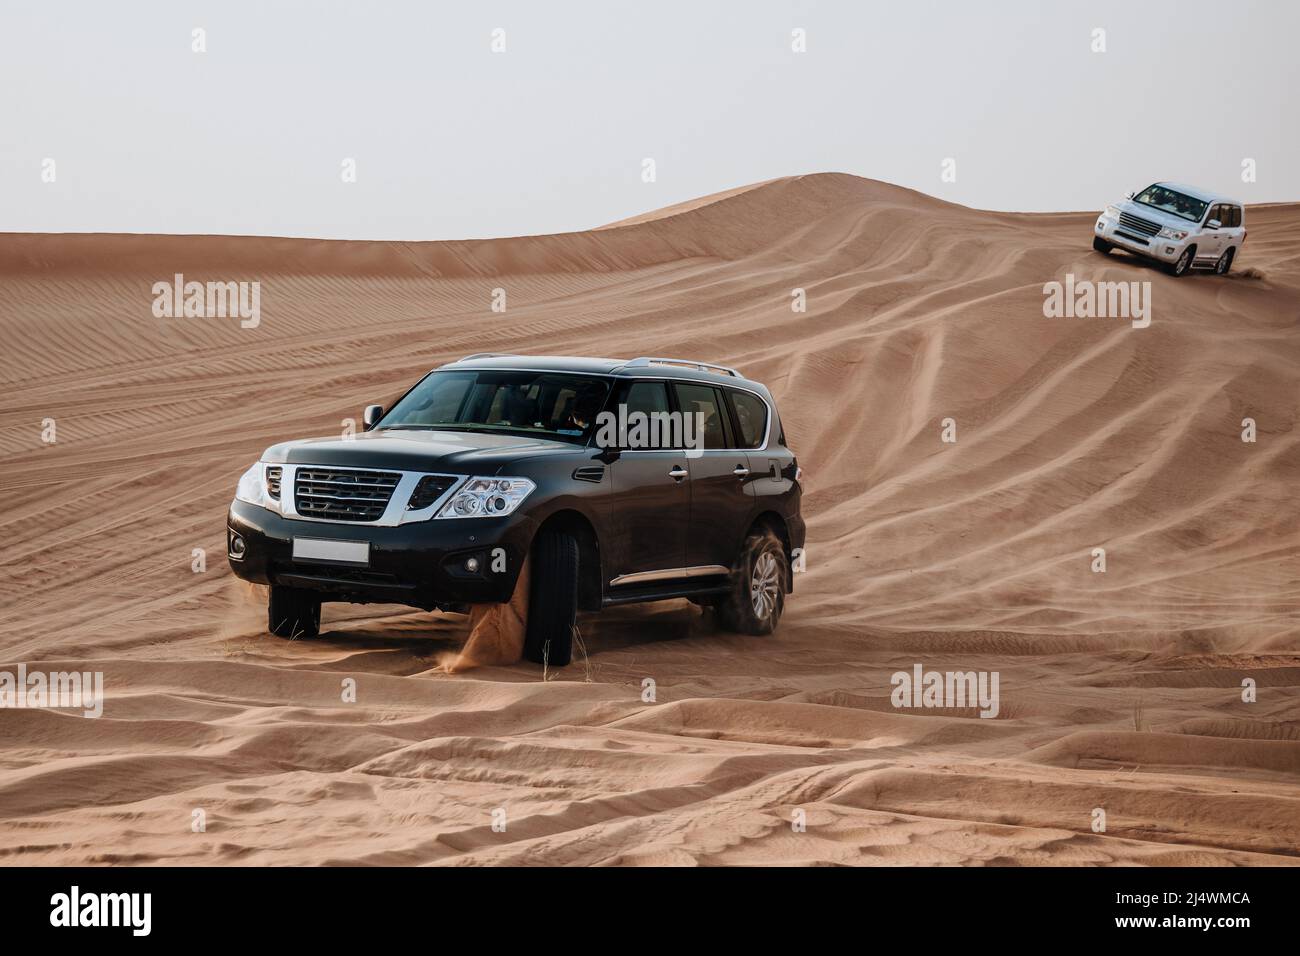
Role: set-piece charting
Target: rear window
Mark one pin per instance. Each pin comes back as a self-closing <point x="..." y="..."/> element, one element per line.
<point x="751" y="417"/>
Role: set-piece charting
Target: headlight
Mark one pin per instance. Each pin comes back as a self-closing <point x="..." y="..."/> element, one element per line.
<point x="1112" y="212"/>
<point x="1169" y="232"/>
<point x="487" y="498"/>
<point x="252" y="487"/>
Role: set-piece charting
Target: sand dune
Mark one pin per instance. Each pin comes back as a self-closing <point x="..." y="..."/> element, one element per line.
<point x="1119" y="691"/>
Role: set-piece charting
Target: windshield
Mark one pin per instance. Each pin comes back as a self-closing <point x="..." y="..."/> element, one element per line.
<point x="551" y="405"/>
<point x="1166" y="200"/>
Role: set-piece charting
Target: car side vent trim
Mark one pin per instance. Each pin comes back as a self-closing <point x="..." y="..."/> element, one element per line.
<point x="592" y="473"/>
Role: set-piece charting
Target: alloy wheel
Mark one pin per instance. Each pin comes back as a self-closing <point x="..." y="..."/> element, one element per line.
<point x="764" y="586"/>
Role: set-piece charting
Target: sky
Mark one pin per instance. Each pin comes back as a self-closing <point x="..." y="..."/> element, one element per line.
<point x="112" y="121"/>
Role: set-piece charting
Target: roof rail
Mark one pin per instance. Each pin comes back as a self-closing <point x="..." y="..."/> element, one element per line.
<point x="645" y="361"/>
<point x="479" y="355"/>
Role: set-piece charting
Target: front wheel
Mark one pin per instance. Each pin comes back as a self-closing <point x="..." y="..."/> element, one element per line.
<point x="552" y="599"/>
<point x="292" y="612"/>
<point x="757" y="594"/>
<point x="1184" y="262"/>
<point x="1101" y="245"/>
<point x="1225" y="262"/>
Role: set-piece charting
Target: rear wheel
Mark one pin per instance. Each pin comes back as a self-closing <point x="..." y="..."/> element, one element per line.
<point x="552" y="599"/>
<point x="1184" y="262"/>
<point x="292" y="612"/>
<point x="1101" y="245"/>
<point x="1225" y="262"/>
<point x="757" y="594"/>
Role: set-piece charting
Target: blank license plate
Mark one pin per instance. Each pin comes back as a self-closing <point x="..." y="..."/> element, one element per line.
<point x="325" y="549"/>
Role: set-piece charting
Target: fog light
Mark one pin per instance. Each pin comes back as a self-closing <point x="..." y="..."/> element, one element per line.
<point x="471" y="565"/>
<point x="236" y="545"/>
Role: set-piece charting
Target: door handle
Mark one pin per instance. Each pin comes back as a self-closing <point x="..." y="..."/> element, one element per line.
<point x="678" y="473"/>
<point x="740" y="471"/>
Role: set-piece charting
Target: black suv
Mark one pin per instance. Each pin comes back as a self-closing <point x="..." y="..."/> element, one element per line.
<point x="623" y="481"/>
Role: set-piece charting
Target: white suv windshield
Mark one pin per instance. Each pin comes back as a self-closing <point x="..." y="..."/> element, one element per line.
<point x="1176" y="203"/>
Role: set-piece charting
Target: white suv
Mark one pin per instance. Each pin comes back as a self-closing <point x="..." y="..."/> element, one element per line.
<point x="1177" y="225"/>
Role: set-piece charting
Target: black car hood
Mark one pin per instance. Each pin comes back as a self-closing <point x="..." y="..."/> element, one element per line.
<point x="467" y="453"/>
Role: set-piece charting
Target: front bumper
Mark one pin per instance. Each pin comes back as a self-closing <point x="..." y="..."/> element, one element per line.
<point x="419" y="564"/>
<point x="1153" y="247"/>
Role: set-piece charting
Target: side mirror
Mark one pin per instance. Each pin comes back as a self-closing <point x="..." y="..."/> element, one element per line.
<point x="1213" y="224"/>
<point x="1131" y="195"/>
<point x="372" y="415"/>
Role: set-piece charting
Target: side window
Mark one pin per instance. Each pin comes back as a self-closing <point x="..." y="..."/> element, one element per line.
<point x="705" y="400"/>
<point x="751" y="417"/>
<point x="1236" y="216"/>
<point x="1220" y="212"/>
<point x="649" y="399"/>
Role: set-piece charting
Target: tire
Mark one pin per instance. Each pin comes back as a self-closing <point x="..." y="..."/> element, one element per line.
<point x="1101" y="245"/>
<point x="1184" y="263"/>
<point x="1225" y="262"/>
<point x="757" y="596"/>
<point x="291" y="612"/>
<point x="552" y="600"/>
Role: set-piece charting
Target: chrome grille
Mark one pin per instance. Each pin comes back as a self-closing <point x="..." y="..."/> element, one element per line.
<point x="343" y="494"/>
<point x="1139" y="225"/>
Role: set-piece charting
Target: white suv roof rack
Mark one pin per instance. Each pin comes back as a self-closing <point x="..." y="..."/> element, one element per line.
<point x="645" y="361"/>
<point x="479" y="355"/>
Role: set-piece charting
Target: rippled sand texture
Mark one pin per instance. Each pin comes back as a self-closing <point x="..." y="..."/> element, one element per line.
<point x="1120" y="691"/>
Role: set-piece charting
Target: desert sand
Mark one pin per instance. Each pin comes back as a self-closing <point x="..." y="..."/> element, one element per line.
<point x="1120" y="691"/>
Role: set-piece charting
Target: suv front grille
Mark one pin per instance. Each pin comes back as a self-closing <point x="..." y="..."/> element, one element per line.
<point x="1143" y="227"/>
<point x="343" y="494"/>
